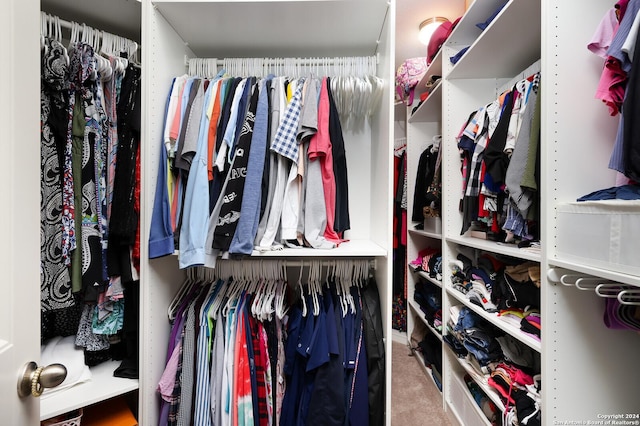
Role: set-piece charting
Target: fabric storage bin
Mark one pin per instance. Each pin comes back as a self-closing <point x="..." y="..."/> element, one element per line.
<point x="603" y="234"/>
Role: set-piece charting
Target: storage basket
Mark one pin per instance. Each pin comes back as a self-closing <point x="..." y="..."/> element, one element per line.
<point x="69" y="419"/>
<point x="601" y="234"/>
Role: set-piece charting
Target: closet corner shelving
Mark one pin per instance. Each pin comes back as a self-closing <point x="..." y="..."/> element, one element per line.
<point x="475" y="80"/>
<point x="575" y="344"/>
<point x="496" y="57"/>
<point x="102" y="386"/>
<point x="175" y="30"/>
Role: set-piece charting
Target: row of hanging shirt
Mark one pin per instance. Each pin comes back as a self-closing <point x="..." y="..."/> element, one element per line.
<point x="254" y="163"/>
<point x="246" y="348"/>
<point x="499" y="148"/>
<point x="89" y="143"/>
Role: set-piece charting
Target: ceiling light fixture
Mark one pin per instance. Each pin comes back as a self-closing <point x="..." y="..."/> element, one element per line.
<point x="428" y="26"/>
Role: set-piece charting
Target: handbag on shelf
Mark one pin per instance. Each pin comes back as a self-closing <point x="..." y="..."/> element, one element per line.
<point x="408" y="75"/>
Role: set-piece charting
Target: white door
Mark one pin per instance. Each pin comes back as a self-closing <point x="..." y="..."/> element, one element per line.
<point x="19" y="204"/>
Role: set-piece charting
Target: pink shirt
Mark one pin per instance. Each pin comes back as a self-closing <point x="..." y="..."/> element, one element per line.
<point x="320" y="149"/>
<point x="168" y="378"/>
<point x="603" y="36"/>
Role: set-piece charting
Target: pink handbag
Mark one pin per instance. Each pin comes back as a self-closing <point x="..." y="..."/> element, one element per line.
<point x="408" y="76"/>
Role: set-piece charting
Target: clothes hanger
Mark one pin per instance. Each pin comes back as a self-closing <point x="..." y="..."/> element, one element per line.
<point x="280" y="289"/>
<point x="609" y="290"/>
<point x="259" y="288"/>
<point x="223" y="283"/>
<point x="304" y="300"/>
<point x="272" y="303"/>
<point x="43" y="33"/>
<point x="267" y="307"/>
<point x="73" y="36"/>
<point x="313" y="287"/>
<point x="340" y="289"/>
<point x="350" y="300"/>
<point x="58" y="26"/>
<point x="206" y="305"/>
<point x="231" y="298"/>
<point x="184" y="289"/>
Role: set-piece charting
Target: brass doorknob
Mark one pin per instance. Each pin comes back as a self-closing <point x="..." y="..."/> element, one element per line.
<point x="34" y="380"/>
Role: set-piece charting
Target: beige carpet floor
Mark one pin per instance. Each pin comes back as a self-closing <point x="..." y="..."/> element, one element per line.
<point x="415" y="400"/>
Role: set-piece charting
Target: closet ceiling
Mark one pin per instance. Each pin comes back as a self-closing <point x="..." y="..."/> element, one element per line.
<point x="119" y="17"/>
<point x="206" y="26"/>
<point x="122" y="17"/>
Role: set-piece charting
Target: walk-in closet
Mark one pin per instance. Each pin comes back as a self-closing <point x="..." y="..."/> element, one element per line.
<point x="489" y="226"/>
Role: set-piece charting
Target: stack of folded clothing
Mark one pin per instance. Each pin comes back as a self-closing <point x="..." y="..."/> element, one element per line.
<point x="497" y="284"/>
<point x="483" y="348"/>
<point x="429" y="260"/>
<point x="527" y="320"/>
<point x="477" y="336"/>
<point x="531" y="324"/>
<point x="520" y="355"/>
<point x="437" y="320"/>
<point x="429" y="297"/>
<point x="518" y="286"/>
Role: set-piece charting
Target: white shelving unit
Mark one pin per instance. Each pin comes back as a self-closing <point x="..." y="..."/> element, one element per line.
<point x="495" y="58"/>
<point x="173" y="30"/>
<point x="588" y="369"/>
<point x="577" y="136"/>
<point x="101" y="387"/>
<point x="117" y="18"/>
<point x="576" y="315"/>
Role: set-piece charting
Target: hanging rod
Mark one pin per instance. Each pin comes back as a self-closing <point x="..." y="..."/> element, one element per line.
<point x="299" y="263"/>
<point x="68" y="25"/>
<point x="357" y="66"/>
<point x="281" y="61"/>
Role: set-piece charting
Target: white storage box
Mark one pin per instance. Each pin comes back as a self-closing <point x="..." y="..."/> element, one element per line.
<point x="433" y="224"/>
<point x="603" y="234"/>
